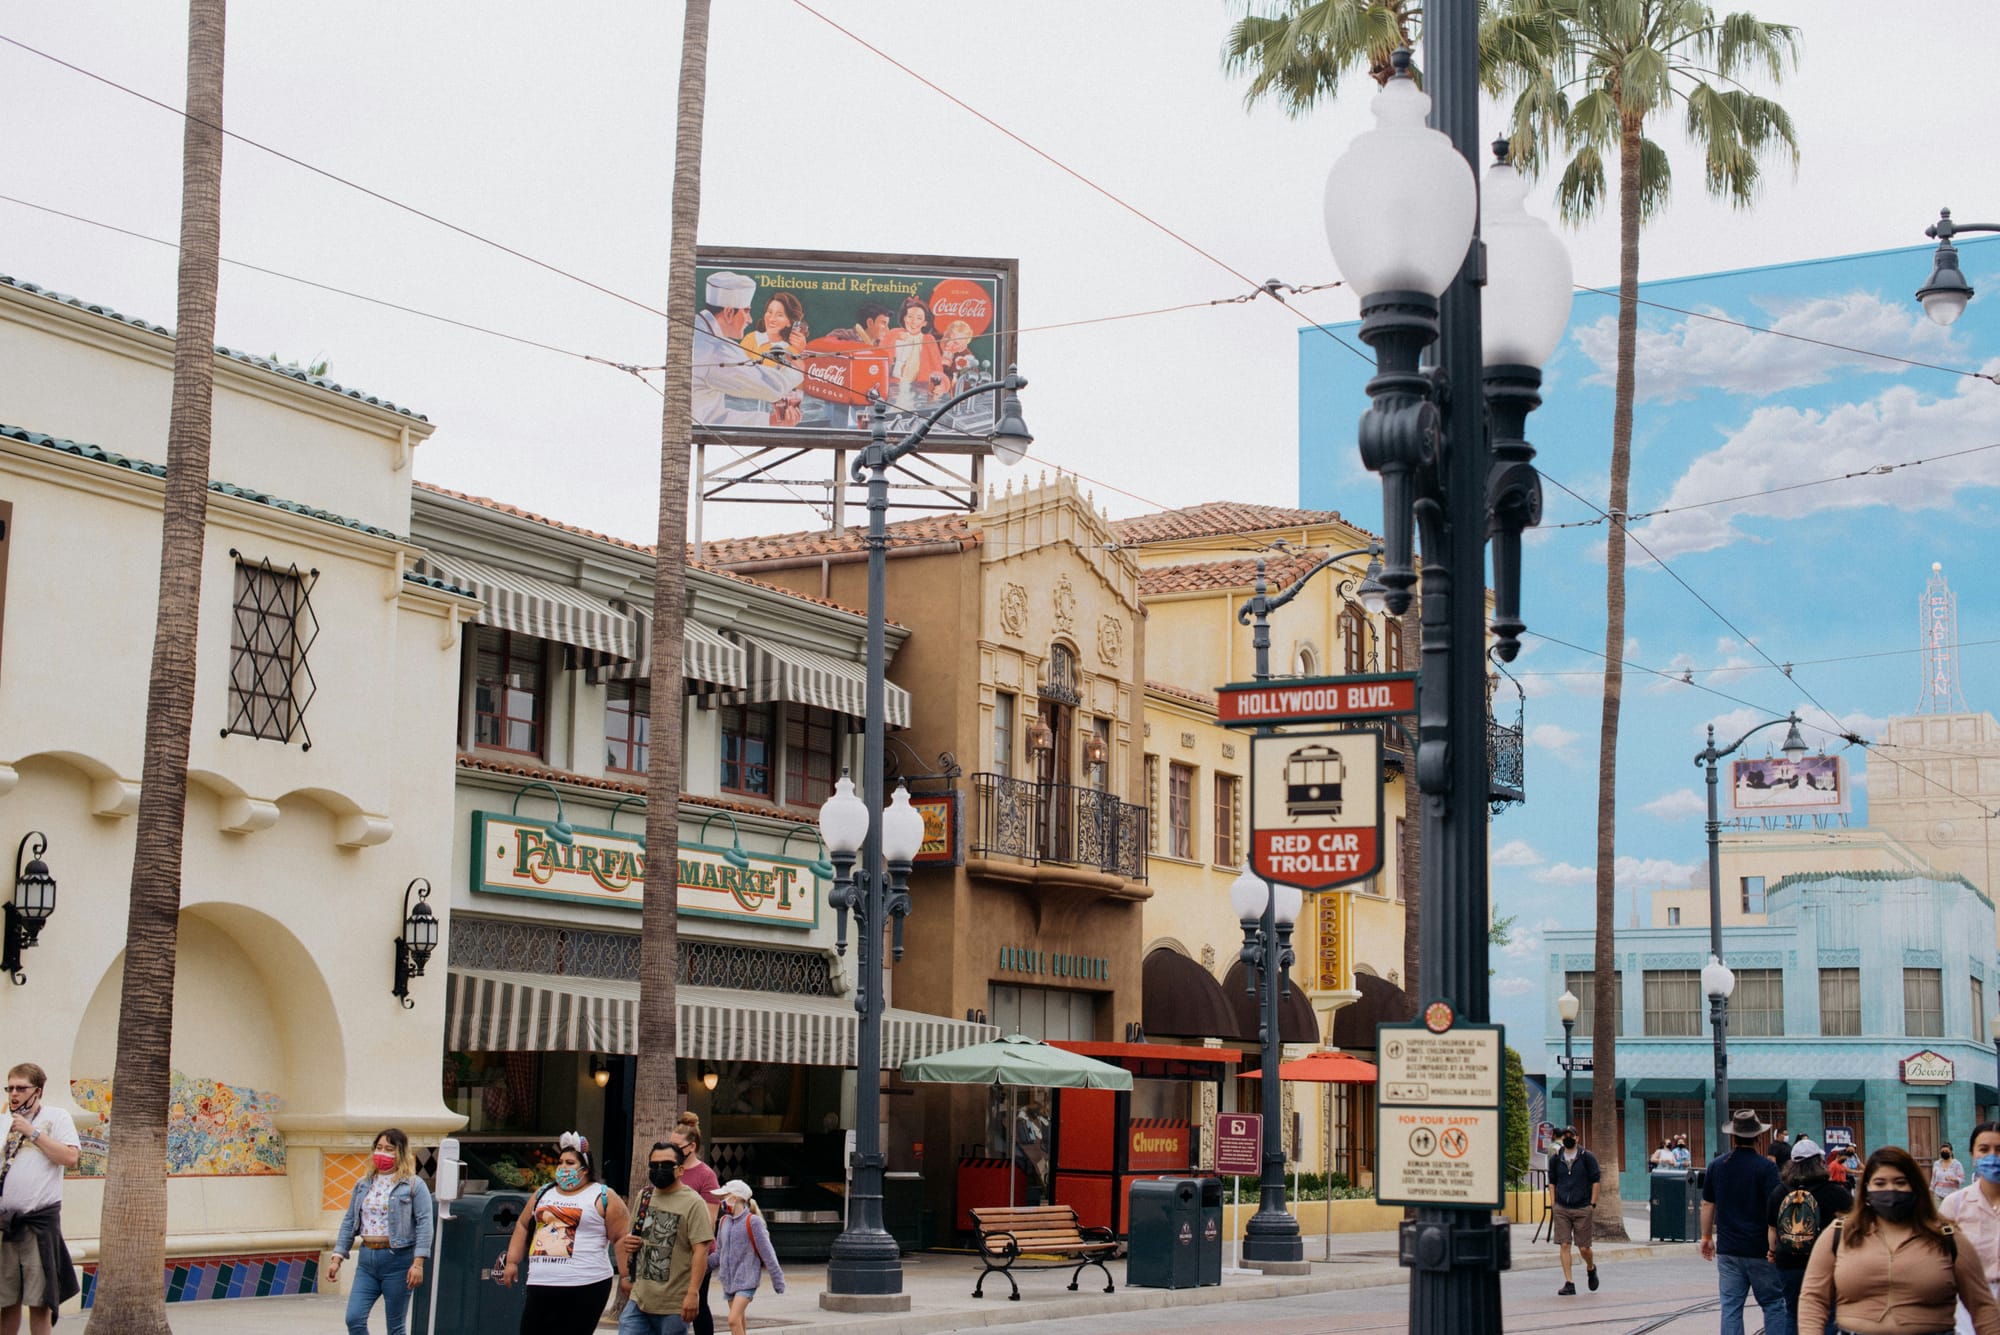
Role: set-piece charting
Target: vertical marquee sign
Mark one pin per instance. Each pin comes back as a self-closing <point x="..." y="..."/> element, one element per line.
<point x="1316" y="807"/>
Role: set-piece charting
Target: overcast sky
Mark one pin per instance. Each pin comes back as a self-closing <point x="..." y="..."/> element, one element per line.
<point x="556" y="139"/>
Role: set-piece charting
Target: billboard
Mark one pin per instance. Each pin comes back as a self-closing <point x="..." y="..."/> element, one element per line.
<point x="789" y="345"/>
<point x="1776" y="786"/>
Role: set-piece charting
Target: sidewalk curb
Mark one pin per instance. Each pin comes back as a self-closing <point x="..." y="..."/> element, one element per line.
<point x="1326" y="1279"/>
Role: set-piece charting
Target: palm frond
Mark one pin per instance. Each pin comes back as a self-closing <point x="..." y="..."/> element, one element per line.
<point x="1743" y="41"/>
<point x="1580" y="192"/>
<point x="1656" y="179"/>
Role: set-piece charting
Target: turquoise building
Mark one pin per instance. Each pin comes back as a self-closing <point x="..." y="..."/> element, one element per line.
<point x="1861" y="1007"/>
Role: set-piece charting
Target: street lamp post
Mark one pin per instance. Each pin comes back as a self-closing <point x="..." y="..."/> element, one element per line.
<point x="1403" y="219"/>
<point x="865" y="1268"/>
<point x="1794" y="747"/>
<point x="1945" y="292"/>
<point x="1271" y="1238"/>
<point x="1993" y="1028"/>
<point x="1567" y="1006"/>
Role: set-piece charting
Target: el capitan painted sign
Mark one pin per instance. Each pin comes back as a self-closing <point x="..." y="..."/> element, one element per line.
<point x="514" y="855"/>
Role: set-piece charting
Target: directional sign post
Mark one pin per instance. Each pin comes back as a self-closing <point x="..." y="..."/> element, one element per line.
<point x="1316" y="808"/>
<point x="1439" y="1125"/>
<point x="1258" y="704"/>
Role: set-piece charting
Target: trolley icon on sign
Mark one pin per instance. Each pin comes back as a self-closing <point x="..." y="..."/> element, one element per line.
<point x="1313" y="776"/>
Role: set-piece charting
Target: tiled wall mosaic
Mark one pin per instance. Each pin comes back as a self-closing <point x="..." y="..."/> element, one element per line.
<point x="205" y="1278"/>
<point x="213" y="1129"/>
<point x="338" y="1174"/>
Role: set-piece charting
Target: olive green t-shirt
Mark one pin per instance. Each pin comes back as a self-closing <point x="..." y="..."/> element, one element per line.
<point x="673" y="1224"/>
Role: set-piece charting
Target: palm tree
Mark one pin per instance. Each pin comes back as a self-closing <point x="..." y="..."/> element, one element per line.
<point x="1298" y="52"/>
<point x="131" y="1297"/>
<point x="1617" y="67"/>
<point x="656" y="1098"/>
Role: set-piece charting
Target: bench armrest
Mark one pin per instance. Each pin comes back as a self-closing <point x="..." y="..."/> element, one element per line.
<point x="1097" y="1234"/>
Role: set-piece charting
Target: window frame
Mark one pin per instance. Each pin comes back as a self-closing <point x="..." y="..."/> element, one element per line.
<point x="1353" y="627"/>
<point x="538" y="721"/>
<point x="1392" y="644"/>
<point x="1582" y="984"/>
<point x="1752" y="890"/>
<point x="1227" y="815"/>
<point x="795" y="759"/>
<point x="1841" y="979"/>
<point x="1685" y="1019"/>
<point x="271" y="632"/>
<point x="1006" y="710"/>
<point x="1771" y="1019"/>
<point x="1180" y="810"/>
<point x="1979" y="1034"/>
<point x="636" y="741"/>
<point x="771" y="737"/>
<point x="1925" y="980"/>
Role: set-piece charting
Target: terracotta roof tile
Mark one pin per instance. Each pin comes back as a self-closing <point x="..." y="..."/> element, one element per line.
<point x="634" y="787"/>
<point x="1214" y="519"/>
<point x="1235" y="573"/>
<point x="829" y="542"/>
<point x="1181" y="693"/>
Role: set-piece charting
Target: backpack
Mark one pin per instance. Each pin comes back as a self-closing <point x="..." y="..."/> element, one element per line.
<point x="1798" y="1224"/>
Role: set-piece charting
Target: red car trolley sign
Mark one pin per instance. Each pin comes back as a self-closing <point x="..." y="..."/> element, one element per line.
<point x="1316" y="807"/>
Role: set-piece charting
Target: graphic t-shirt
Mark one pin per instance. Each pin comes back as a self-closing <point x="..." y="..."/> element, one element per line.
<point x="375" y="1206"/>
<point x="569" y="1246"/>
<point x="670" y="1226"/>
<point x="33" y="1180"/>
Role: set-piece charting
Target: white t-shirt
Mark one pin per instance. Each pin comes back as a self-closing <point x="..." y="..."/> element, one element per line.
<point x="34" y="1180"/>
<point x="569" y="1246"/>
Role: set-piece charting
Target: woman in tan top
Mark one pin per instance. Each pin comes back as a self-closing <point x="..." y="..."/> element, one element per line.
<point x="1890" y="1266"/>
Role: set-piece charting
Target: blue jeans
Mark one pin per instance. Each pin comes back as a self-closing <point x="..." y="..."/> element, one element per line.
<point x="383" y="1273"/>
<point x="1795" y="1280"/>
<point x="1740" y="1276"/>
<point x="632" y="1321"/>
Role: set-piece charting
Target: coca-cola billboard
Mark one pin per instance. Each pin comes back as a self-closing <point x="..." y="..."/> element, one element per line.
<point x="808" y="345"/>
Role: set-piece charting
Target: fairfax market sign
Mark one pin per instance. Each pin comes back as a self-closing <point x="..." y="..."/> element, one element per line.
<point x="513" y="855"/>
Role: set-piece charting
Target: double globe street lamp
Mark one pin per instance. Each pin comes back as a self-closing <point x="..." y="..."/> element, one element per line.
<point x="1403" y="220"/>
<point x="865" y="1266"/>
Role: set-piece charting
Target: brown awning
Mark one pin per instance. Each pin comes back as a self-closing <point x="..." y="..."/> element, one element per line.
<point x="1179" y="997"/>
<point x="1296" y="1021"/>
<point x="1382" y="1002"/>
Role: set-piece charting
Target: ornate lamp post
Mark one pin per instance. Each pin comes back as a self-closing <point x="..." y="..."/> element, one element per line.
<point x="1268" y="911"/>
<point x="1402" y="218"/>
<point x="865" y="1269"/>
<point x="33" y="901"/>
<point x="1567" y="1006"/>
<point x="1713" y="984"/>
<point x="1945" y="292"/>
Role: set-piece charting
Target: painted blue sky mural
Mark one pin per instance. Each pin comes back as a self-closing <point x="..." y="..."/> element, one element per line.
<point x="1780" y="478"/>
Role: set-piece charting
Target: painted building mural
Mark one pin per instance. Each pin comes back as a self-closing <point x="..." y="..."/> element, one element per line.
<point x="213" y="1129"/>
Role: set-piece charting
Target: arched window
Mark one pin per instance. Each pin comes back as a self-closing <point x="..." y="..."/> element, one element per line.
<point x="1353" y="636"/>
<point x="1305" y="662"/>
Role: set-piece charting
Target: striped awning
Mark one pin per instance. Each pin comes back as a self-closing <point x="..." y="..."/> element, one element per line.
<point x="808" y="677"/>
<point x="491" y="1011"/>
<point x="531" y="606"/>
<point x="705" y="655"/>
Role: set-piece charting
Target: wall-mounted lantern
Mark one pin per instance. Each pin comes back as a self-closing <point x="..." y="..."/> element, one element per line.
<point x="34" y="900"/>
<point x="418" y="940"/>
<point x="562" y="832"/>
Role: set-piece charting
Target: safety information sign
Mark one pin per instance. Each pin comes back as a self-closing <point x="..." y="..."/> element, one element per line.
<point x="1439" y="1125"/>
<point x="1463" y="1065"/>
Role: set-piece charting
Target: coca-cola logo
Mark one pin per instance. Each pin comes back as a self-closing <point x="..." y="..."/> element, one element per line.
<point x="832" y="373"/>
<point x="964" y="299"/>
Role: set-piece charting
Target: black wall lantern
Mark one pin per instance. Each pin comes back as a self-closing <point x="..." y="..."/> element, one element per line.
<point x="34" y="900"/>
<point x="419" y="939"/>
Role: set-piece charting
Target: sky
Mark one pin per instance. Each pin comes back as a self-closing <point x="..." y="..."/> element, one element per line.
<point x="1116" y="161"/>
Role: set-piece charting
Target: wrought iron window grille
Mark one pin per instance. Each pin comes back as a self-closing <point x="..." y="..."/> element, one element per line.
<point x="272" y="632"/>
<point x="1506" y="749"/>
<point x="1061" y="685"/>
<point x="527" y="947"/>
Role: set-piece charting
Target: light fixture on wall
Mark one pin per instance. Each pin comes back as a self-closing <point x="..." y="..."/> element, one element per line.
<point x="823" y="869"/>
<point x="1040" y="739"/>
<point x="710" y="1079"/>
<point x="418" y="939"/>
<point x="629" y="800"/>
<point x="1095" y="753"/>
<point x="600" y="1071"/>
<point x="34" y="900"/>
<point x="562" y="832"/>
<point x="735" y="857"/>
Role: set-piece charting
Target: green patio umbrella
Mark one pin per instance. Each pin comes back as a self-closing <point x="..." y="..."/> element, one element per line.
<point x="1014" y="1061"/>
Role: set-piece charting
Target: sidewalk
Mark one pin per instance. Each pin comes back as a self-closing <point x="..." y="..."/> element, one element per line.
<point x="940" y="1289"/>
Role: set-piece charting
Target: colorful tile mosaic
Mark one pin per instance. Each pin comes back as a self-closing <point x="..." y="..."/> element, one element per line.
<point x="338" y="1174"/>
<point x="208" y="1278"/>
<point x="213" y="1129"/>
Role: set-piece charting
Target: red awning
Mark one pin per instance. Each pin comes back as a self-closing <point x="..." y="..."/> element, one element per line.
<point x="1324" y="1068"/>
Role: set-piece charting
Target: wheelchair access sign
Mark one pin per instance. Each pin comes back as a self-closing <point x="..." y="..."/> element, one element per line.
<point x="1316" y="807"/>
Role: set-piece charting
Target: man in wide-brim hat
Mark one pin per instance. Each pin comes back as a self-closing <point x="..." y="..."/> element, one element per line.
<point x="1734" y="1200"/>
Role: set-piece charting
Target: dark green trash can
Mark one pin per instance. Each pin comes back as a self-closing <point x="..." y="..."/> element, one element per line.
<point x="470" y="1247"/>
<point x="1163" y="1242"/>
<point x="1211" y="1231"/>
<point x="1675" y="1205"/>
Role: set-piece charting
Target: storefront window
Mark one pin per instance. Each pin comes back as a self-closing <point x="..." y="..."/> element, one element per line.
<point x="494" y="1091"/>
<point x="747" y="736"/>
<point x="1667" y="1118"/>
<point x="1845" y="1117"/>
<point x="628" y="707"/>
<point x="1049" y="1013"/>
<point x="509" y="688"/>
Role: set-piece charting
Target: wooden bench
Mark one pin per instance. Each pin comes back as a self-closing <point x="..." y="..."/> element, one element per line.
<point x="1047" y="1234"/>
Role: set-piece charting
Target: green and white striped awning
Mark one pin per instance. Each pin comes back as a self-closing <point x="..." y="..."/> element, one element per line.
<point x="705" y="655"/>
<point x="529" y="605"/>
<point x="492" y="1011"/>
<point x="808" y="677"/>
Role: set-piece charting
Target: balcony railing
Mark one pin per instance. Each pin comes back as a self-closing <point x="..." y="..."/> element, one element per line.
<point x="1506" y="758"/>
<point x="1058" y="823"/>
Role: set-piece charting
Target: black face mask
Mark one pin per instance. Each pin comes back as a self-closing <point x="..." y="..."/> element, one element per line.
<point x="1894" y="1206"/>
<point x="1944" y="1154"/>
<point x="1569" y="1142"/>
<point x="662" y="1175"/>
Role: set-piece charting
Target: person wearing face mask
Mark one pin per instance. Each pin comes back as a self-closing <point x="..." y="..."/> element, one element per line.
<point x="1804" y="1206"/>
<point x="389" y="1215"/>
<point x="1891" y="1266"/>
<point x="1975" y="1210"/>
<point x="41" y="1142"/>
<point x="743" y="1252"/>
<point x="1573" y="1179"/>
<point x="1735" y="1199"/>
<point x="663" y="1261"/>
<point x="1947" y="1174"/>
<point x="566" y="1236"/>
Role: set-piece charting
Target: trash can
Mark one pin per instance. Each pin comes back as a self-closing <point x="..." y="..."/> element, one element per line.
<point x="1163" y="1241"/>
<point x="1676" y="1205"/>
<point x="469" y="1248"/>
<point x="1211" y="1231"/>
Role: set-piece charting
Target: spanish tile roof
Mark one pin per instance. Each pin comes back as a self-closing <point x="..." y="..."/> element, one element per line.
<point x="486" y="502"/>
<point x="248" y="358"/>
<point x="828" y="542"/>
<point x="1181" y="693"/>
<point x="97" y="454"/>
<point x="633" y="787"/>
<point x="1235" y="573"/>
<point x="1215" y="519"/>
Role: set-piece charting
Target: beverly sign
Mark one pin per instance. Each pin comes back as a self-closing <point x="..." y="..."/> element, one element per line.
<point x="514" y="855"/>
<point x="1927" y="1068"/>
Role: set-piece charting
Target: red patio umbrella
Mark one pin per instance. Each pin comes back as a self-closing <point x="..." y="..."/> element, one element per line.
<point x="1324" y="1068"/>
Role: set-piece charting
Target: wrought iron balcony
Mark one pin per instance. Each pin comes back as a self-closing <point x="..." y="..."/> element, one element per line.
<point x="1506" y="762"/>
<point x="1058" y="823"/>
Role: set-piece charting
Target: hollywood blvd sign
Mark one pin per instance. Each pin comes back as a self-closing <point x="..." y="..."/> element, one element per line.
<point x="1256" y="704"/>
<point x="1316" y="808"/>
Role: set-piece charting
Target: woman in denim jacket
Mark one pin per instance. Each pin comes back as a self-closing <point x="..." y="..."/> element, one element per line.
<point x="389" y="1215"/>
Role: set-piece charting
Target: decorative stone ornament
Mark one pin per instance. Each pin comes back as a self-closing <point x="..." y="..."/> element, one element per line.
<point x="1064" y="599"/>
<point x="1014" y="610"/>
<point x="1110" y="640"/>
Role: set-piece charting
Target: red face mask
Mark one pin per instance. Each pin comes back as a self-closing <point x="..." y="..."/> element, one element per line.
<point x="384" y="1162"/>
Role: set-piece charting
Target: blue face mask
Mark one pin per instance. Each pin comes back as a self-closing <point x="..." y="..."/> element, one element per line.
<point x="1988" y="1167"/>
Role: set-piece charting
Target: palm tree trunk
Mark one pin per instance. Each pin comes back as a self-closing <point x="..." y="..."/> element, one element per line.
<point x="1604" y="1138"/>
<point x="1411" y="850"/>
<point x="131" y="1292"/>
<point x="656" y="1100"/>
